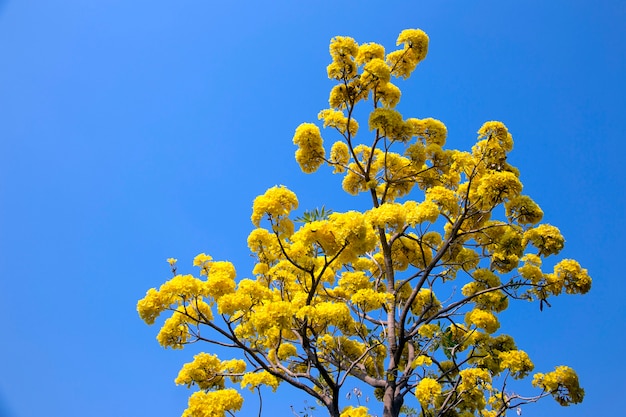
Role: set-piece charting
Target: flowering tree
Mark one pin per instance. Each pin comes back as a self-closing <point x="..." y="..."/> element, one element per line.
<point x="370" y="298"/>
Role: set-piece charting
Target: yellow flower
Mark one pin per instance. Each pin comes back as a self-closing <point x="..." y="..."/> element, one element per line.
<point x="517" y="362"/>
<point x="421" y="360"/>
<point x="391" y="215"/>
<point x="255" y="379"/>
<point x="444" y="198"/>
<point x="221" y="279"/>
<point x="375" y="72"/>
<point x="497" y="132"/>
<point x="369" y="51"/>
<point x="523" y="210"/>
<point x="213" y="403"/>
<point x="276" y="202"/>
<point x="547" y="238"/>
<point x="498" y="186"/>
<point x="310" y="153"/>
<point x="389" y="121"/>
<point x="482" y="319"/>
<point x="388" y="94"/>
<point x="416" y="40"/>
<point x="575" y="279"/>
<point x="431" y="131"/>
<point x="426" y="211"/>
<point x="562" y="383"/>
<point x="343" y="48"/>
<point x="427" y="391"/>
<point x="339" y="156"/>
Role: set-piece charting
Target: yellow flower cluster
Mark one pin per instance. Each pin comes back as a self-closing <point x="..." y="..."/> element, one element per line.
<point x="482" y="319"/>
<point x="505" y="243"/>
<point x="425" y="304"/>
<point x="562" y="383"/>
<point x="343" y="237"/>
<point x="445" y="199"/>
<point x="483" y="280"/>
<point x="408" y="250"/>
<point x="310" y="154"/>
<point x="497" y="132"/>
<point x="339" y="156"/>
<point x="203" y="261"/>
<point x="568" y="273"/>
<point x="421" y="361"/>
<point x="427" y="390"/>
<point x="429" y="131"/>
<point x="404" y="61"/>
<point x="221" y="279"/>
<point x="390" y="216"/>
<point x="327" y="314"/>
<point x="494" y="142"/>
<point x="390" y="124"/>
<point x="546" y="238"/>
<point x="213" y="403"/>
<point x="174" y="333"/>
<point x="517" y="362"/>
<point x="388" y="94"/>
<point x="249" y="293"/>
<point x="369" y="51"/>
<point x="376" y="71"/>
<point x="367" y="299"/>
<point x="474" y="383"/>
<point x="207" y="371"/>
<point x="416" y="213"/>
<point x="498" y="186"/>
<point x="343" y="49"/>
<point x="460" y="337"/>
<point x="428" y="330"/>
<point x="398" y="177"/>
<point x="176" y="291"/>
<point x="523" y="210"/>
<point x="338" y="120"/>
<point x="276" y="203"/>
<point x="253" y="380"/>
<point x="265" y="245"/>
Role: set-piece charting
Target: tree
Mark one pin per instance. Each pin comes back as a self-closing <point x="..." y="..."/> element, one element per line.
<point x="370" y="298"/>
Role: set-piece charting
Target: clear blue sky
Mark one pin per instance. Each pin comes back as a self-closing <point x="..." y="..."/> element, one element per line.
<point x="134" y="131"/>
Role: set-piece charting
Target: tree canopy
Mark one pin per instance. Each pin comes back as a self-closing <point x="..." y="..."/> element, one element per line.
<point x="403" y="297"/>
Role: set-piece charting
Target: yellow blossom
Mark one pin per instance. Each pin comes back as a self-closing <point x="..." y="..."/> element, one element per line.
<point x="369" y="51"/>
<point x="213" y="403"/>
<point x="427" y="390"/>
<point x="255" y="379"/>
<point x="482" y="319"/>
<point x="562" y="383"/>
<point x="343" y="48"/>
<point x="337" y="119"/>
<point x="310" y="153"/>
<point x="276" y="202"/>
<point x="221" y="279"/>
<point x="388" y="94"/>
<point x="517" y="362"/>
<point x="375" y="72"/>
<point x="203" y="371"/>
<point x="339" y="156"/>
<point x="546" y="238"/>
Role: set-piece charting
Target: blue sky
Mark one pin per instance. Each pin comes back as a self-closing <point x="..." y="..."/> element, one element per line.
<point x="134" y="131"/>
